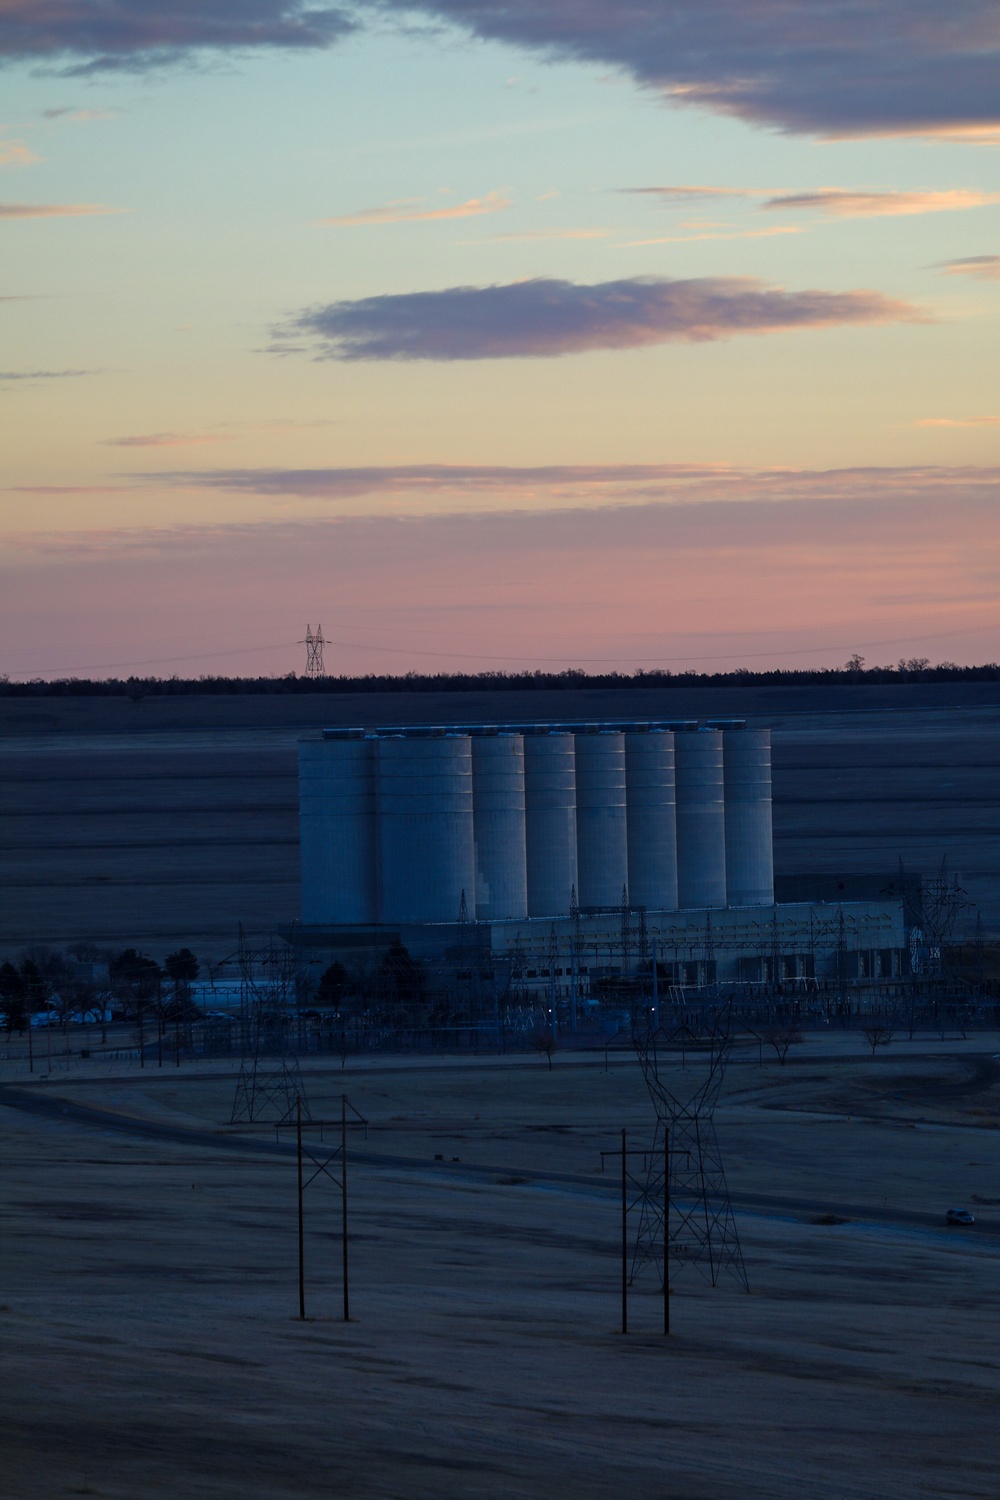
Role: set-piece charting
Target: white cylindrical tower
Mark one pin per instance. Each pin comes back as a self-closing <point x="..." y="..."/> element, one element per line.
<point x="652" y="819"/>
<point x="426" y="858"/>
<point x="601" y="818"/>
<point x="701" y="820"/>
<point x="749" y="852"/>
<point x="337" y="829"/>
<point x="498" y="822"/>
<point x="550" y="821"/>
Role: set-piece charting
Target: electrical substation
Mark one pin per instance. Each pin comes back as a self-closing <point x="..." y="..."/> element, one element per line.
<point x="574" y="852"/>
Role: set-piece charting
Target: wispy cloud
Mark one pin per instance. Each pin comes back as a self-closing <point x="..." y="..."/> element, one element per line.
<point x="29" y="377"/>
<point x="690" y="192"/>
<point x="546" y="317"/>
<point x="979" y="267"/>
<point x="16" y="154"/>
<point x="836" y="68"/>
<point x="500" y="487"/>
<point x="542" y="234"/>
<point x="431" y="479"/>
<point x="690" y="239"/>
<point x="835" y="202"/>
<point x="847" y="203"/>
<point x="70" y="113"/>
<point x="414" y="211"/>
<point x="166" y="440"/>
<point x="54" y="210"/>
<point x="71" y="489"/>
<point x="959" y="422"/>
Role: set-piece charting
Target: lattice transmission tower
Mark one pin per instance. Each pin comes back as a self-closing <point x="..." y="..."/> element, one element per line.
<point x="270" y="1082"/>
<point x="314" y="643"/>
<point x="685" y="1211"/>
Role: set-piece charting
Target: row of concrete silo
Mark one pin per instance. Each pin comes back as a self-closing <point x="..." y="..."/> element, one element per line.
<point x="398" y="825"/>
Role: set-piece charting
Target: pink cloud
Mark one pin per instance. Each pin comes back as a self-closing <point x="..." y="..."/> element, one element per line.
<point x="408" y="211"/>
<point x="959" y="422"/>
<point x="847" y="203"/>
<point x="796" y="567"/>
<point x="979" y="267"/>
<point x="16" y="154"/>
<point x="166" y="440"/>
<point x="54" y="210"/>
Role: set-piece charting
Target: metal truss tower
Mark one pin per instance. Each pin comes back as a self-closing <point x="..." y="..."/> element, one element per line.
<point x="270" y="1081"/>
<point x="685" y="1212"/>
<point x="314" y="643"/>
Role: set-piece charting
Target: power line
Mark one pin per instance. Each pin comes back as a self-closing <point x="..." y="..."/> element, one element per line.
<point x="563" y="661"/>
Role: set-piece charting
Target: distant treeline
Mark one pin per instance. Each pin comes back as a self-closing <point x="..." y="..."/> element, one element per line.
<point x="916" y="669"/>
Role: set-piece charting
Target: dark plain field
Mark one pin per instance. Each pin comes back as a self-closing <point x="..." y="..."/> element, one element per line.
<point x="169" y="821"/>
<point x="151" y="1343"/>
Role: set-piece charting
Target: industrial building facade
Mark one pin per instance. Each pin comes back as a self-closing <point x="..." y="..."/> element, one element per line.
<point x="576" y="849"/>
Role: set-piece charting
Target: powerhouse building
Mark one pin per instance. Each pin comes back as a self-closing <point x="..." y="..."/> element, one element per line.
<point x="555" y="834"/>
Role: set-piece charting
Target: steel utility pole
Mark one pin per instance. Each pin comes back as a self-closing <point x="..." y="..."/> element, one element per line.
<point x="666" y="1230"/>
<point x="302" y="1237"/>
<point x="321" y="1164"/>
<point x="624" y="1235"/>
<point x="343" y="1200"/>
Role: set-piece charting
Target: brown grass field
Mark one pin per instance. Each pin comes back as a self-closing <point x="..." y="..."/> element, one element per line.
<point x="151" y="1343"/>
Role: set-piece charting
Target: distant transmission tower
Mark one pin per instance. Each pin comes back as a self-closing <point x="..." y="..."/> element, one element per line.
<point x="314" y="644"/>
<point x="270" y="1084"/>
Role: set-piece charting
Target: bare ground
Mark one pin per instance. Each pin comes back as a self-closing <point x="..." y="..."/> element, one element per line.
<point x="151" y="1345"/>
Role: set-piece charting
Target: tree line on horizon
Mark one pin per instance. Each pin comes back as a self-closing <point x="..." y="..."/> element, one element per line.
<point x="912" y="669"/>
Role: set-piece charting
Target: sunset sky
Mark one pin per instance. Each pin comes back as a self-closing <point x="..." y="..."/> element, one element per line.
<point x="498" y="333"/>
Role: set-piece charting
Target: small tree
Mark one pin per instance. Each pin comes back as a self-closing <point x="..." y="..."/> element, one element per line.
<point x="135" y="980"/>
<point x="402" y="979"/>
<point x="544" y="1041"/>
<point x="182" y="967"/>
<point x="37" y="989"/>
<point x="877" y="1035"/>
<point x="781" y="1038"/>
<point x="333" y="985"/>
<point x="134" y="977"/>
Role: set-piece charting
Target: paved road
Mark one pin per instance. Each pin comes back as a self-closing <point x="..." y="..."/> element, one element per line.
<point x="768" y="1204"/>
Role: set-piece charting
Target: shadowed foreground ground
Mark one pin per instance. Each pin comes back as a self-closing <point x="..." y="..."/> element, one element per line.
<point x="151" y="1348"/>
